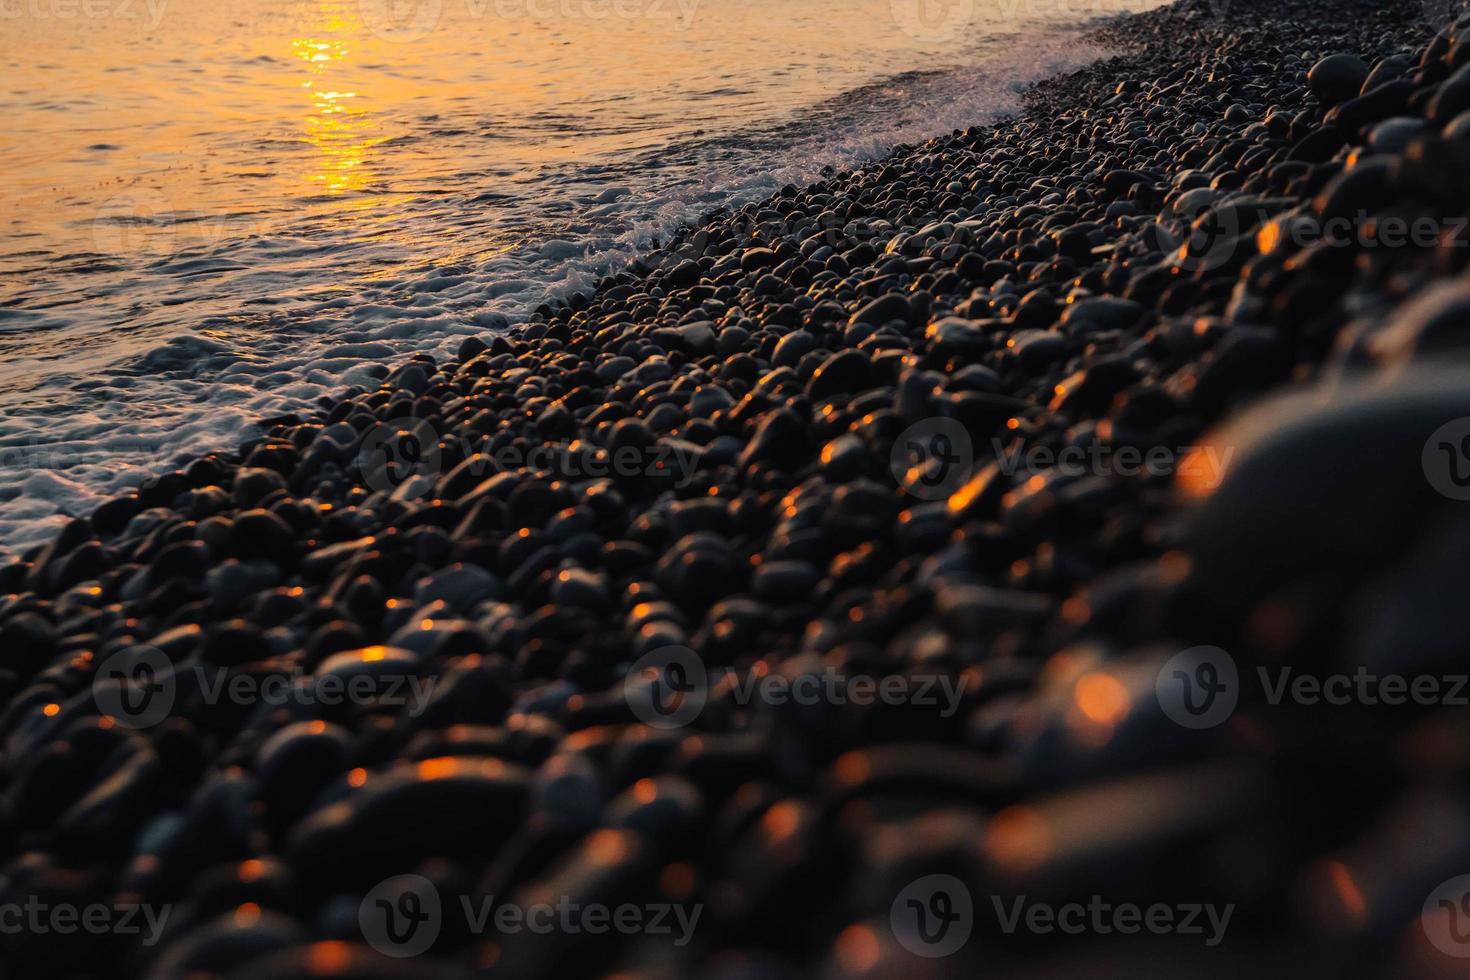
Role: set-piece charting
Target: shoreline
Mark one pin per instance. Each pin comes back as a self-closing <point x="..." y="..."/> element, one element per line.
<point x="854" y="537"/>
<point x="187" y="384"/>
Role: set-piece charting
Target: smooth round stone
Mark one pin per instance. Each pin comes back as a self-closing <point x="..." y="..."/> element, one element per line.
<point x="785" y="581"/>
<point x="665" y="417"/>
<point x="378" y="829"/>
<point x="253" y="484"/>
<point x="757" y="258"/>
<point x="698" y="570"/>
<point x="894" y="306"/>
<point x="264" y="535"/>
<point x="1452" y="98"/>
<point x="1287" y="519"/>
<point x="709" y="399"/>
<point x="568" y="788"/>
<point x="373" y="661"/>
<point x="1337" y="78"/>
<point x="1457" y="128"/>
<point x="1362" y="188"/>
<point x="1435" y="324"/>
<point x="1387" y="70"/>
<point x="329" y="959"/>
<point x="782" y="440"/>
<point x="1103" y="313"/>
<point x="614" y="368"/>
<point x="577" y="587"/>
<point x="295" y="763"/>
<point x="791" y="348"/>
<point x="841" y="373"/>
<point x="1392" y="135"/>
<point x="732" y="340"/>
<point x="667" y="811"/>
<point x="845" y="458"/>
<point x="1037" y="348"/>
<point x="226" y="946"/>
<point x="683" y="274"/>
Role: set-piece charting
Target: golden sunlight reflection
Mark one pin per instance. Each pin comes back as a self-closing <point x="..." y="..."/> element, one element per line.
<point x="339" y="128"/>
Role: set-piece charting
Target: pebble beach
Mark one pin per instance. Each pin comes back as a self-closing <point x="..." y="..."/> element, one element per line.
<point x="1034" y="553"/>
